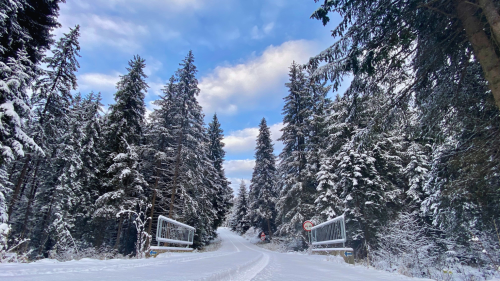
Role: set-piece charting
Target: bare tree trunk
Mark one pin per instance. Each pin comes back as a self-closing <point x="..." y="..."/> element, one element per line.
<point x="34" y="187"/>
<point x="176" y="171"/>
<point x="158" y="162"/>
<point x="25" y="182"/>
<point x="119" y="232"/>
<point x="484" y="49"/>
<point x="44" y="222"/>
<point x="269" y="229"/>
<point x="492" y="16"/>
<point x="18" y="186"/>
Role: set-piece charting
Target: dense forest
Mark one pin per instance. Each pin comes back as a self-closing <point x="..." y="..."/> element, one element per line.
<point x="73" y="177"/>
<point x="408" y="153"/>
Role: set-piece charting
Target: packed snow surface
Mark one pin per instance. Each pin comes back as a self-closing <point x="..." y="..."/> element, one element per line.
<point x="236" y="259"/>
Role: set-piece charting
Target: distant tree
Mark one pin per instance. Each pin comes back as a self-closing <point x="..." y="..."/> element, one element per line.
<point x="263" y="195"/>
<point x="241" y="220"/>
<point x="222" y="200"/>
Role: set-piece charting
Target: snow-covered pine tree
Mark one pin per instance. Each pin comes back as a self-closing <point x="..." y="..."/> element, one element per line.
<point x="195" y="179"/>
<point x="222" y="200"/>
<point x="123" y="133"/>
<point x="16" y="77"/>
<point x="52" y="101"/>
<point x="68" y="192"/>
<point x="187" y="178"/>
<point x="27" y="24"/>
<point x="159" y="152"/>
<point x="241" y="218"/>
<point x="317" y="126"/>
<point x="338" y="131"/>
<point x="358" y="170"/>
<point x="296" y="186"/>
<point x="25" y="37"/>
<point x="262" y="194"/>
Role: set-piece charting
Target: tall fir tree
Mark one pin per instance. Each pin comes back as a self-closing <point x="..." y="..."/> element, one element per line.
<point x="222" y="200"/>
<point x="25" y="28"/>
<point x="125" y="184"/>
<point x="188" y="181"/>
<point x="52" y="102"/>
<point x="297" y="186"/>
<point x="262" y="194"/>
<point x="193" y="173"/>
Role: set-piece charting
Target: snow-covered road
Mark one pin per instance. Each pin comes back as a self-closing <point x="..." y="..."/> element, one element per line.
<point x="237" y="259"/>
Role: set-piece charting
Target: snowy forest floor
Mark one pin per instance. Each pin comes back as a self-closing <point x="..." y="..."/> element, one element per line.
<point x="236" y="259"/>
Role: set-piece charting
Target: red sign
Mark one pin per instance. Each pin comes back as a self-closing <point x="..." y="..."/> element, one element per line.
<point x="307" y="225"/>
<point x="262" y="236"/>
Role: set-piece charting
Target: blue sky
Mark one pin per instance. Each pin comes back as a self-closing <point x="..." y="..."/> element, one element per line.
<point x="242" y="51"/>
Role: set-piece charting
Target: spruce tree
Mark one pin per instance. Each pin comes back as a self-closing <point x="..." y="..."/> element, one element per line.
<point x="125" y="184"/>
<point x="195" y="179"/>
<point x="262" y="194"/>
<point x="241" y="219"/>
<point x="25" y="36"/>
<point x="27" y="24"/>
<point x="50" y="128"/>
<point x="188" y="181"/>
<point x="222" y="201"/>
<point x="14" y="112"/>
<point x="297" y="187"/>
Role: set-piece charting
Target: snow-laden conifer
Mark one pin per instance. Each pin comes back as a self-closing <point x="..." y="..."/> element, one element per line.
<point x="263" y="194"/>
<point x="296" y="185"/>
<point x="222" y="200"/>
<point x="241" y="221"/>
<point x="124" y="185"/>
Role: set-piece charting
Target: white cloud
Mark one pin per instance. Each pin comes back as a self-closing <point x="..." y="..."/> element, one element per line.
<point x="241" y="140"/>
<point x="161" y="4"/>
<point x="244" y="140"/>
<point x="98" y="81"/>
<point x="116" y="23"/>
<point x="275" y="135"/>
<point x="233" y="168"/>
<point x="228" y="89"/>
<point x="238" y="170"/>
<point x="150" y="107"/>
<point x="97" y="31"/>
<point x="152" y="66"/>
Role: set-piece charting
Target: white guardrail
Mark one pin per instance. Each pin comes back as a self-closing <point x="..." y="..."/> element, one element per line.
<point x="329" y="233"/>
<point x="173" y="232"/>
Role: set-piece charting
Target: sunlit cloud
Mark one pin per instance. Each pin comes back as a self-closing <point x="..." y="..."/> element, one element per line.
<point x="230" y="89"/>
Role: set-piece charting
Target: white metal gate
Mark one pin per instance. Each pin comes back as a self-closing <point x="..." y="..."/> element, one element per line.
<point x="331" y="232"/>
<point x="173" y="232"/>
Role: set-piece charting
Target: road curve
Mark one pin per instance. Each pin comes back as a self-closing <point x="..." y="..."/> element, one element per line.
<point x="237" y="259"/>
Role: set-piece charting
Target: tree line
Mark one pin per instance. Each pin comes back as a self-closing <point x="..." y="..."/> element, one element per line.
<point x="73" y="177"/>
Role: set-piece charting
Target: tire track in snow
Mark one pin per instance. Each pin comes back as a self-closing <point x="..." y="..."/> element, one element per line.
<point x="246" y="271"/>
